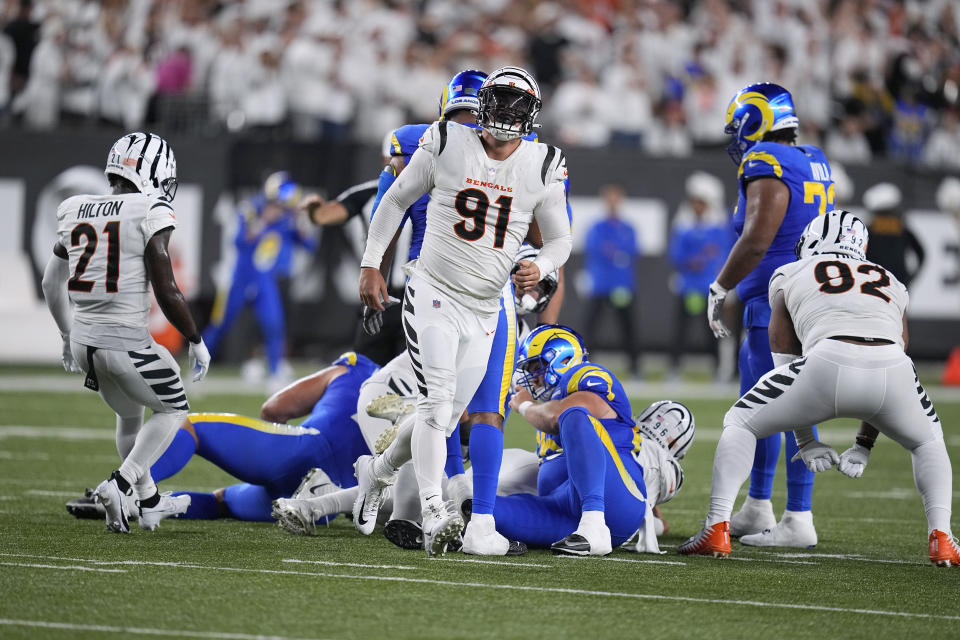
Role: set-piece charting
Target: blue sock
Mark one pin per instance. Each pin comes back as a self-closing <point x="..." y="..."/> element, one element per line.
<point x="203" y="506"/>
<point x="586" y="457"/>
<point x="175" y="457"/>
<point x="799" y="478"/>
<point x="765" y="467"/>
<point x="454" y="464"/>
<point x="486" y="454"/>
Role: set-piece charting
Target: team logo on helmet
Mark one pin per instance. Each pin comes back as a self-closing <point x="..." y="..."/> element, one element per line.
<point x="147" y="161"/>
<point x="836" y="231"/>
<point x="753" y="112"/>
<point x="545" y="355"/>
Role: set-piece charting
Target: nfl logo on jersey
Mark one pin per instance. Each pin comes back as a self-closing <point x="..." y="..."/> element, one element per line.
<point x="436" y="304"/>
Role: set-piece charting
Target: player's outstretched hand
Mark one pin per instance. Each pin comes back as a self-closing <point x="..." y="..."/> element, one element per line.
<point x="373" y="319"/>
<point x="817" y="456"/>
<point x="853" y="461"/>
<point x="199" y="360"/>
<point x="715" y="310"/>
<point x="526" y="275"/>
<point x="69" y="364"/>
<point x="310" y="204"/>
<point x="373" y="288"/>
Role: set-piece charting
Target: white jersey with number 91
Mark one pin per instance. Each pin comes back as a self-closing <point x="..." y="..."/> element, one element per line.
<point x="105" y="238"/>
<point x="833" y="295"/>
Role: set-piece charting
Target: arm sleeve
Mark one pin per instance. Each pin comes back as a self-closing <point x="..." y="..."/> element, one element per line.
<point x="777" y="280"/>
<point x="551" y="216"/>
<point x="54" y="285"/>
<point x="416" y="179"/>
<point x="387" y="178"/>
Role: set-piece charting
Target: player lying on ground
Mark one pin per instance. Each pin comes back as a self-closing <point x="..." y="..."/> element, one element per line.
<point x="109" y="250"/>
<point x="847" y="317"/>
<point x="270" y="456"/>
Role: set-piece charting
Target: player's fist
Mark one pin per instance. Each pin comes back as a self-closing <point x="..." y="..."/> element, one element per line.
<point x="310" y="204"/>
<point x="373" y="288"/>
<point x="69" y="363"/>
<point x="519" y="397"/>
<point x="715" y="310"/>
<point x="817" y="456"/>
<point x="373" y="320"/>
<point x="526" y="275"/>
<point x="199" y="360"/>
<point x="853" y="461"/>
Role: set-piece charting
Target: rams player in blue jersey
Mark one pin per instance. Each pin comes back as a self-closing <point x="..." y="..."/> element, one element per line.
<point x="266" y="236"/>
<point x="486" y="411"/>
<point x="600" y="498"/>
<point x="269" y="456"/>
<point x="782" y="186"/>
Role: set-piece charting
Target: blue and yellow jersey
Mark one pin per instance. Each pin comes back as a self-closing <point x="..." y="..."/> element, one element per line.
<point x="270" y="252"/>
<point x="806" y="172"/>
<point x="594" y="378"/>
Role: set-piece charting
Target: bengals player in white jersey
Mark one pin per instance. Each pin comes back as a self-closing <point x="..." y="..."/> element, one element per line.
<point x="846" y="316"/>
<point x="109" y="250"/>
<point x="486" y="186"/>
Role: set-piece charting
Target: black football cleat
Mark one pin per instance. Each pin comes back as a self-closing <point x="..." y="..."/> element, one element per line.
<point x="404" y="533"/>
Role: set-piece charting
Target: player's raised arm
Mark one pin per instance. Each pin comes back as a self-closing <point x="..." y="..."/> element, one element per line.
<point x="156" y="256"/>
<point x="416" y="179"/>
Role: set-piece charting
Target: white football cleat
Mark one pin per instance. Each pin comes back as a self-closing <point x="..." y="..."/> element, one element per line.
<point x="367" y="505"/>
<point x="114" y="503"/>
<point x="390" y="407"/>
<point x="795" y="529"/>
<point x="482" y="539"/>
<point x="459" y="490"/>
<point x="315" y="483"/>
<point x="294" y="515"/>
<point x="754" y="516"/>
<point x="168" y="507"/>
<point x="442" y="525"/>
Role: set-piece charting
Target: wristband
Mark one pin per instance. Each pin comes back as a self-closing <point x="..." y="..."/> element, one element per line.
<point x="865" y="442"/>
<point x="522" y="409"/>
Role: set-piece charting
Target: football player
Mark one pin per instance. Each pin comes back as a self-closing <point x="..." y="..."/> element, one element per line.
<point x="485" y="186"/>
<point x="592" y="496"/>
<point x="782" y="186"/>
<point x="847" y="317"/>
<point x="269" y="228"/>
<point x="109" y="250"/>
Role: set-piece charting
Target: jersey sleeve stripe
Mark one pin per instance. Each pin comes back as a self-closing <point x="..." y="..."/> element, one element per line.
<point x="161" y="205"/>
<point x="761" y="156"/>
<point x="551" y="151"/>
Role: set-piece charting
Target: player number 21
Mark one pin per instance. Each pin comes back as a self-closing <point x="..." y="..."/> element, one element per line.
<point x="822" y="193"/>
<point x="472" y="204"/>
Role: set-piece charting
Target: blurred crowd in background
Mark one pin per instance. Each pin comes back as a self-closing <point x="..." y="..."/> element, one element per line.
<point x="870" y="77"/>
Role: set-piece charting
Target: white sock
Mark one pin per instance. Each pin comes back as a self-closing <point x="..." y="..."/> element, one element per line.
<point x="484" y="522"/>
<point x="336" y="502"/>
<point x="127" y="429"/>
<point x="589" y="520"/>
<point x="145" y="486"/>
<point x="731" y="467"/>
<point x="406" y="496"/>
<point x="399" y="451"/>
<point x="155" y="436"/>
<point x="934" y="476"/>
<point x="429" y="448"/>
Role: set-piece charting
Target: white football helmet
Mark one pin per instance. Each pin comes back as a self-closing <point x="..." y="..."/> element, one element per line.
<point x="669" y="424"/>
<point x="836" y="231"/>
<point x="146" y="160"/>
<point x="546" y="287"/>
<point x="509" y="103"/>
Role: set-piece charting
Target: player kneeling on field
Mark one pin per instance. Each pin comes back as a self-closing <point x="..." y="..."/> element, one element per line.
<point x="847" y="317"/>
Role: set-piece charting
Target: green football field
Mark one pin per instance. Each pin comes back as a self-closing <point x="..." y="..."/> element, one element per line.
<point x="60" y="577"/>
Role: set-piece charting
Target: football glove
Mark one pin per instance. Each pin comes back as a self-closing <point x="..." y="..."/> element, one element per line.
<point x="817" y="456"/>
<point x="69" y="364"/>
<point x="199" y="360"/>
<point x="373" y="319"/>
<point x="853" y="461"/>
<point x="715" y="310"/>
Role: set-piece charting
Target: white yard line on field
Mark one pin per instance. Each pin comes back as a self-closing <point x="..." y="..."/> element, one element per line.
<point x="329" y="563"/>
<point x="564" y="591"/>
<point x="502" y="563"/>
<point x="55" y="433"/>
<point x="142" y="631"/>
<point x="844" y="556"/>
<point x="62" y="567"/>
<point x="634" y="560"/>
<point x="740" y="559"/>
<point x="56" y="494"/>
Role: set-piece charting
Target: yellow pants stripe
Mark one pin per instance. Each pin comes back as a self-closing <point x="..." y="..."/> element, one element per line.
<point x="621" y="469"/>
<point x="508" y="359"/>
<point x="252" y="423"/>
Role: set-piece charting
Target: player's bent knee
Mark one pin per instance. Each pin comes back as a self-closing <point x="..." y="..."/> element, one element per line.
<point x="485" y="417"/>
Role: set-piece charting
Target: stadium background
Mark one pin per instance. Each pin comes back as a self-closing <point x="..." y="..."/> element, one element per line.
<point x="634" y="92"/>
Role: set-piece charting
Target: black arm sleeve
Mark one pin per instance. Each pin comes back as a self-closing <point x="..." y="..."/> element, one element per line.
<point x="354" y="198"/>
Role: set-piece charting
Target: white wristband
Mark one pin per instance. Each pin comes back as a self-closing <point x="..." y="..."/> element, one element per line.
<point x="522" y="409"/>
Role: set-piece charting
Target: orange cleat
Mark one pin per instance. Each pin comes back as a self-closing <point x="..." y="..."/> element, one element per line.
<point x="712" y="541"/>
<point x="943" y="549"/>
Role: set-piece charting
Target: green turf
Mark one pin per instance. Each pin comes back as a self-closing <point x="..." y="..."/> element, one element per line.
<point x="231" y="576"/>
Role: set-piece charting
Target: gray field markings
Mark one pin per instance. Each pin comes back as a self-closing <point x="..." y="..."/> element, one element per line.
<point x="61" y="567"/>
<point x="482" y="585"/>
<point x="140" y="631"/>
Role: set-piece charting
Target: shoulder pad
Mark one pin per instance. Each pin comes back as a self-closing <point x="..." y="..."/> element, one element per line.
<point x="348" y="359"/>
<point x="554" y="167"/>
<point x="762" y="161"/>
<point x="592" y="378"/>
